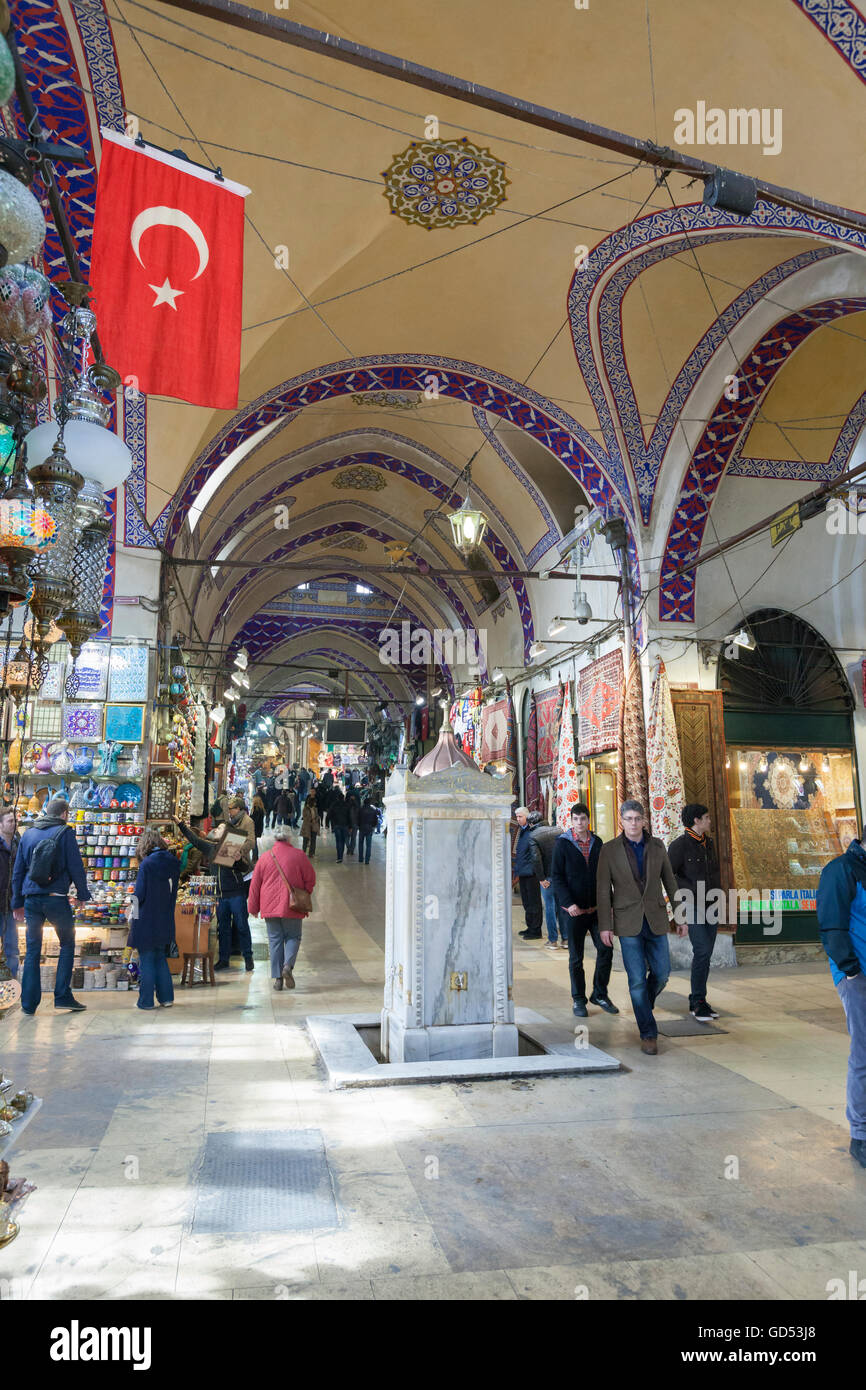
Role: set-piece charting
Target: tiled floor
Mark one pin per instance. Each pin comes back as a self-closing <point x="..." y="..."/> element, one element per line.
<point x="718" y="1169"/>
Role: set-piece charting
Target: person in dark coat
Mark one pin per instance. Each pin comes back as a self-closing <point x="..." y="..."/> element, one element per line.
<point x="49" y="903"/>
<point x="353" y="815"/>
<point x="337" y="819"/>
<point x="152" y="921"/>
<point x="9" y="842"/>
<point x="544" y="837"/>
<point x="573" y="872"/>
<point x="232" y="884"/>
<point x="696" y="869"/>
<point x="842" y="923"/>
<point x="257" y="814"/>
<point x="282" y="808"/>
<point x="526" y="860"/>
<point x="310" y="825"/>
<point x="368" y="824"/>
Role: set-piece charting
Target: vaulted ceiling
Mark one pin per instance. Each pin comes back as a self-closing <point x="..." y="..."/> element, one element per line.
<point x="580" y="329"/>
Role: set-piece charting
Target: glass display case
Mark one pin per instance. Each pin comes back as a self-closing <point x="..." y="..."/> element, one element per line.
<point x="791" y="812"/>
<point x="597" y="782"/>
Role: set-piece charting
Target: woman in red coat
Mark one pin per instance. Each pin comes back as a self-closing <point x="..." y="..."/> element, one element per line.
<point x="277" y="868"/>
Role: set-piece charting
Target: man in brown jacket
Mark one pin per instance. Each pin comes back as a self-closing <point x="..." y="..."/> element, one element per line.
<point x="632" y="869"/>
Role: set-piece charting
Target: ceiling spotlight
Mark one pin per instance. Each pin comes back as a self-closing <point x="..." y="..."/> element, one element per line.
<point x="240" y="679"/>
<point x="763" y="764"/>
<point x="218" y="714"/>
<point x="242" y="659"/>
<point x="419" y="699"/>
<point x="536" y="651"/>
<point x="743" y="638"/>
<point x="556" y="627"/>
<point x="333" y="713"/>
<point x="743" y="765"/>
<point x="230" y="694"/>
<point x="497" y="675"/>
<point x="437" y="690"/>
<point x="804" y="766"/>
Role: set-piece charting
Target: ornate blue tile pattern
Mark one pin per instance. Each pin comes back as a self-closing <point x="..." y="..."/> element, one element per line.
<point x="842" y="23"/>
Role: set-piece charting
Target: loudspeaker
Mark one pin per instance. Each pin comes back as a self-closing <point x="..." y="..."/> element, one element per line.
<point x="731" y="192"/>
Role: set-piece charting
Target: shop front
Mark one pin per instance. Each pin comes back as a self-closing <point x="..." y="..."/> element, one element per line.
<point x="790" y="770"/>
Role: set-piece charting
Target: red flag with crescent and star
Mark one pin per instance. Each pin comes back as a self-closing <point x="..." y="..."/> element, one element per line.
<point x="167" y="273"/>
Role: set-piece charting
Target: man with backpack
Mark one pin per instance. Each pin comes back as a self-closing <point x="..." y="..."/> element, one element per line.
<point x="47" y="863"/>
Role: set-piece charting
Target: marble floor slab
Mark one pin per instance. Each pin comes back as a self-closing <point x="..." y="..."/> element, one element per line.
<point x="718" y="1169"/>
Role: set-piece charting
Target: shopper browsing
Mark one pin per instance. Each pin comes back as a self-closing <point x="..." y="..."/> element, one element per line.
<point x="47" y="864"/>
<point x="151" y="930"/>
<point x="281" y="878"/>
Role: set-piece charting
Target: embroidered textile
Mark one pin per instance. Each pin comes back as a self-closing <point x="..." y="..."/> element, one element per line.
<point x="663" y="762"/>
<point x="598" y="704"/>
<point x="631" y="776"/>
<point x="566" y="772"/>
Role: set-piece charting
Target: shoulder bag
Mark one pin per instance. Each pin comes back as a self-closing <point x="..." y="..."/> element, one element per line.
<point x="299" y="898"/>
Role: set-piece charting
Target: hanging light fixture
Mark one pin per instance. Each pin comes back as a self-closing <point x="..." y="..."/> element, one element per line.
<point x="57" y="486"/>
<point x="81" y="619"/>
<point x="81" y="411"/>
<point x="242" y="659"/>
<point x="763" y="765"/>
<point x="804" y="765"/>
<point x="468" y="524"/>
<point x="18" y="674"/>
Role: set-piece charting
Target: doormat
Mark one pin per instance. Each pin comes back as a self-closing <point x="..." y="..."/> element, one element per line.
<point x="264" y="1181"/>
<point x="688" y="1028"/>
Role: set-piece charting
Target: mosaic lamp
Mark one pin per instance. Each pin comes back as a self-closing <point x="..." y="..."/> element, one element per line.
<point x="22" y="226"/>
<point x="57" y="486"/>
<point x="27" y="529"/>
<point x="468" y="524"/>
<point x="18" y="674"/>
<point x="82" y="618"/>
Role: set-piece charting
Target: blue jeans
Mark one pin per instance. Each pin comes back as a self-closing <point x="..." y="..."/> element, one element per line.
<point x="365" y="844"/>
<point x="284" y="942"/>
<point x="853" y="996"/>
<point x="39" y="908"/>
<point x="228" y="908"/>
<point x="551" y="915"/>
<point x="340" y="840"/>
<point x="9" y="937"/>
<point x="155" y="974"/>
<point x="647" y="961"/>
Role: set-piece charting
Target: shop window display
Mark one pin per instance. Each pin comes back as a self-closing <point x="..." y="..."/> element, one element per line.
<point x="791" y="812"/>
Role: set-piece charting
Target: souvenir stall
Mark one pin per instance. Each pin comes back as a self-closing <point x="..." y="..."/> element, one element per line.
<point x="466" y="718"/>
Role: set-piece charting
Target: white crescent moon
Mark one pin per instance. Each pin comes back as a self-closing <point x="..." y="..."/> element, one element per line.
<point x="170" y="217"/>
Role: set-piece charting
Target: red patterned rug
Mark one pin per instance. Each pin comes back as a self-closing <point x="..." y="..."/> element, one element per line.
<point x="598" y="704"/>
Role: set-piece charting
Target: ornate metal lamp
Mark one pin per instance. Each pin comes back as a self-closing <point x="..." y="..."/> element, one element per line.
<point x="468" y="524"/>
<point x="57" y="486"/>
<point x="81" y="619"/>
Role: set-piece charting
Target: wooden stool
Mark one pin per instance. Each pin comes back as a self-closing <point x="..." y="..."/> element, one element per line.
<point x="187" y="975"/>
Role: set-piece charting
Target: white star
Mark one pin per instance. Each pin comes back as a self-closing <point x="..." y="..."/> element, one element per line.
<point x="165" y="294"/>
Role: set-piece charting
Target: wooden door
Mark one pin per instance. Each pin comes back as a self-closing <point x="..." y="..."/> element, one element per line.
<point x="699" y="718"/>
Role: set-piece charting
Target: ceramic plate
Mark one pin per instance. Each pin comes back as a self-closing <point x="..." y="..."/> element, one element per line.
<point x="107" y="795"/>
<point x="128" y="791"/>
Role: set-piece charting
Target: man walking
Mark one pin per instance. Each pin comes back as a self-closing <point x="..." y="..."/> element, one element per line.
<point x="368" y="823"/>
<point x="632" y="870"/>
<point x="48" y="862"/>
<point x="9" y="842"/>
<point x="575" y="866"/>
<point x="525" y="864"/>
<point x="696" y="869"/>
<point x="544" y="837"/>
<point x="842" y="923"/>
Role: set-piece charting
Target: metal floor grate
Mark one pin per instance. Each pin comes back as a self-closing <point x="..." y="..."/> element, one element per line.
<point x="264" y="1181"/>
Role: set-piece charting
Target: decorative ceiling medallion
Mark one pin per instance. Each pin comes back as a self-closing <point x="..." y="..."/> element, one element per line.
<point x="344" y="543"/>
<point x="388" y="400"/>
<point x="444" y="183"/>
<point x="360" y="477"/>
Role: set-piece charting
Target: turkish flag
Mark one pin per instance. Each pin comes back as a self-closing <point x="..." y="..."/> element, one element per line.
<point x="167" y="273"/>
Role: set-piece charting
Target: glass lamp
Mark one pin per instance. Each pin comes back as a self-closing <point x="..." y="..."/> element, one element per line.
<point x="468" y="524"/>
<point x="18" y="674"/>
<point x="82" y="618"/>
<point x="57" y="486"/>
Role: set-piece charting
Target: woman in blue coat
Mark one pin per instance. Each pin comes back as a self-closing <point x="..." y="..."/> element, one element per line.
<point x="152" y="918"/>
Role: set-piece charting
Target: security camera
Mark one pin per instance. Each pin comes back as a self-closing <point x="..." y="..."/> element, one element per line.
<point x="582" y="610"/>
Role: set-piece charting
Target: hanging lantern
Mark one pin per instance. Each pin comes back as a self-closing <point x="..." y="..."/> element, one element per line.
<point x="18" y="674"/>
<point x="7" y="73"/>
<point x="25" y="308"/>
<point x="468" y="526"/>
<point x="82" y="618"/>
<point x="57" y="486"/>
<point x="22" y="226"/>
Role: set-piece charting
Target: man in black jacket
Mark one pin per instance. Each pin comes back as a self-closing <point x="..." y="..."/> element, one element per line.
<point x="575" y="861"/>
<point x="696" y="868"/>
<point x="9" y="842"/>
<point x="232" y="884"/>
<point x="526" y="862"/>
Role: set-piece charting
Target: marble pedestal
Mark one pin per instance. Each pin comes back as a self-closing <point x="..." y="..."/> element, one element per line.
<point x="448" y="970"/>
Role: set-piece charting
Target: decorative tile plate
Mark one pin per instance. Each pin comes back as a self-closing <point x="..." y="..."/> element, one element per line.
<point x="444" y="183"/>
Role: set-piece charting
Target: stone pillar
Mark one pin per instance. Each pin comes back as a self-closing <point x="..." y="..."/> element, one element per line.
<point x="448" y="968"/>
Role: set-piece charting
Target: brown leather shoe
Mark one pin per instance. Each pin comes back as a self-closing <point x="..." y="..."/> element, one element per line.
<point x="288" y="978"/>
<point x="649" y="1046"/>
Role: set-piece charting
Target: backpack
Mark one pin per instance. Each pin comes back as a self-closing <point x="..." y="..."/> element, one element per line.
<point x="46" y="861"/>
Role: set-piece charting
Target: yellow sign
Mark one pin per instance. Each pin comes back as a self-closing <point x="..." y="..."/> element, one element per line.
<point x="786" y="524"/>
